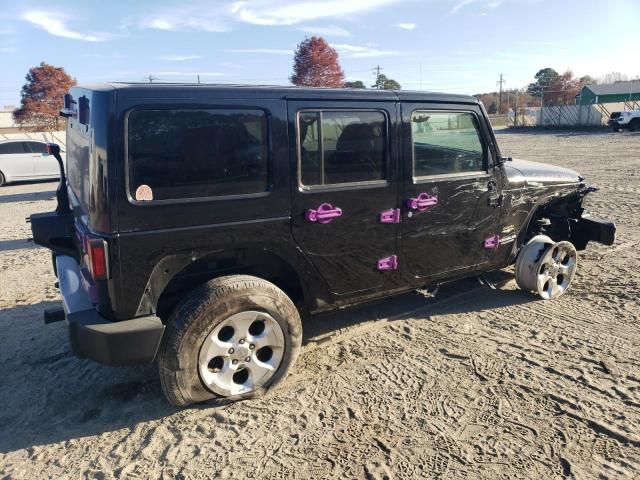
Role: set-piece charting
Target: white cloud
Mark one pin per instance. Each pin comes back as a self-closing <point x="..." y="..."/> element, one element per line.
<point x="287" y="12"/>
<point x="220" y="16"/>
<point x="357" y="51"/>
<point x="54" y="24"/>
<point x="7" y="49"/>
<point x="461" y="4"/>
<point x="269" y="51"/>
<point x="178" y="58"/>
<point x="209" y="17"/>
<point x="331" y="30"/>
<point x="406" y="26"/>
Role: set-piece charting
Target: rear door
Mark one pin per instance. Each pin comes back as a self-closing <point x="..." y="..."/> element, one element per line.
<point x="44" y="165"/>
<point x="345" y="191"/>
<point x="16" y="160"/>
<point x="451" y="190"/>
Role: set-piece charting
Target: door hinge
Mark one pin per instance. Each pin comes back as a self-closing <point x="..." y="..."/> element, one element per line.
<point x="495" y="200"/>
<point x="492" y="243"/>
<point x="390" y="216"/>
<point x="388" y="263"/>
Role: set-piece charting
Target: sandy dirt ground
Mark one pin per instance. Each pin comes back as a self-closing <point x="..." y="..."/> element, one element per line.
<point x="477" y="383"/>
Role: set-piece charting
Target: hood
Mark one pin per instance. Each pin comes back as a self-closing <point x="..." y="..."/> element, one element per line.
<point x="522" y="173"/>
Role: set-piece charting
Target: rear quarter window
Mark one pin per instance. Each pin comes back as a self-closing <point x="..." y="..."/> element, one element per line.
<point x="186" y="154"/>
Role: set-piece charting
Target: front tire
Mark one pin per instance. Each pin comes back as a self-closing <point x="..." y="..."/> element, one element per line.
<point x="233" y="338"/>
<point x="546" y="268"/>
<point x="634" y="126"/>
<point x="3" y="180"/>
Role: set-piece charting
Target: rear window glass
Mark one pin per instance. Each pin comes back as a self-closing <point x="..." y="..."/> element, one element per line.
<point x="177" y="154"/>
<point x="339" y="147"/>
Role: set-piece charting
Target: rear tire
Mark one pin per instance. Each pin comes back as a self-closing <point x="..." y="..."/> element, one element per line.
<point x="2" y="179"/>
<point x="634" y="126"/>
<point x="218" y="317"/>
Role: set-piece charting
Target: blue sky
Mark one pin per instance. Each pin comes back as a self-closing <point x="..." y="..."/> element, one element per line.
<point x="461" y="46"/>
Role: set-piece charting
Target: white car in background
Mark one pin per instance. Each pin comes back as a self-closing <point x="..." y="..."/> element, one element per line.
<point x="26" y="159"/>
<point x="630" y="120"/>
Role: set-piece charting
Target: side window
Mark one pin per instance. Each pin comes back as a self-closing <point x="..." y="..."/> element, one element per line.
<point x="338" y="147"/>
<point x="37" y="147"/>
<point x="13" y="148"/>
<point x="181" y="154"/>
<point x="446" y="143"/>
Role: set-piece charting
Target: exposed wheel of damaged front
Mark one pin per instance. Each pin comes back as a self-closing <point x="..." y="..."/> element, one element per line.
<point x="545" y="267"/>
<point x="233" y="338"/>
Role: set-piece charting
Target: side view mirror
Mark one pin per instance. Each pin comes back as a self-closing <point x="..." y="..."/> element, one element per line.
<point x="501" y="160"/>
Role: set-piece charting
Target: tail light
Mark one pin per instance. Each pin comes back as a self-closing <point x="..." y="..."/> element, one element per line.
<point x="97" y="256"/>
<point x="98" y="259"/>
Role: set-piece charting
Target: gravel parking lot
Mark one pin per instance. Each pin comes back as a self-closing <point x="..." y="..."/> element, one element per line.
<point x="477" y="383"/>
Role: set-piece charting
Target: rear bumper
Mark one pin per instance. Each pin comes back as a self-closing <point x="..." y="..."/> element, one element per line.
<point x="128" y="342"/>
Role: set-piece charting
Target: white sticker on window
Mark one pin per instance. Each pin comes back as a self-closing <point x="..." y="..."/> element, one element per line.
<point x="144" y="193"/>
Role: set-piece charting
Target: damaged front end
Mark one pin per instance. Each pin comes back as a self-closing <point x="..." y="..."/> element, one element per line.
<point x="563" y="218"/>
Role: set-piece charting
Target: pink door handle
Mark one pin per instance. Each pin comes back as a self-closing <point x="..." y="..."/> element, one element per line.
<point x="323" y="214"/>
<point x="422" y="202"/>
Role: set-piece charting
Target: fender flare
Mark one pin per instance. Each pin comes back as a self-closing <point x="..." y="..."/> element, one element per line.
<point x="168" y="267"/>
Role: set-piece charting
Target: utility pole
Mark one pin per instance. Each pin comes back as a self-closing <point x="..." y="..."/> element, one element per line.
<point x="515" y="118"/>
<point x="500" y="82"/>
<point x="377" y="69"/>
<point x="541" y="104"/>
<point x="198" y="78"/>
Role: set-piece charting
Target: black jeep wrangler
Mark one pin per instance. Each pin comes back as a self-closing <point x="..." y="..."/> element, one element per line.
<point x="199" y="223"/>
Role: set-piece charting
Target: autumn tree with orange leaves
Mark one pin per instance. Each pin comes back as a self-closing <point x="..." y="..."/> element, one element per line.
<point x="42" y="98"/>
<point x="316" y="65"/>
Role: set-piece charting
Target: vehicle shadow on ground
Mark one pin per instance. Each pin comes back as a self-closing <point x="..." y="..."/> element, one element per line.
<point x="50" y="396"/>
<point x="27" y="196"/>
<point x="21" y="244"/>
<point x="463" y="296"/>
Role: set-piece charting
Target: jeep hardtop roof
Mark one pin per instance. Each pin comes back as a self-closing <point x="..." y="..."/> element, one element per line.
<point x="149" y="90"/>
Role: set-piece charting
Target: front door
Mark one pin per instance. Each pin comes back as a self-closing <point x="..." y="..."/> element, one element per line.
<point x="345" y="191"/>
<point x="451" y="190"/>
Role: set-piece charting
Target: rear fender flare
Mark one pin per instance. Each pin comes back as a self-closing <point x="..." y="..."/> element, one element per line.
<point x="168" y="268"/>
